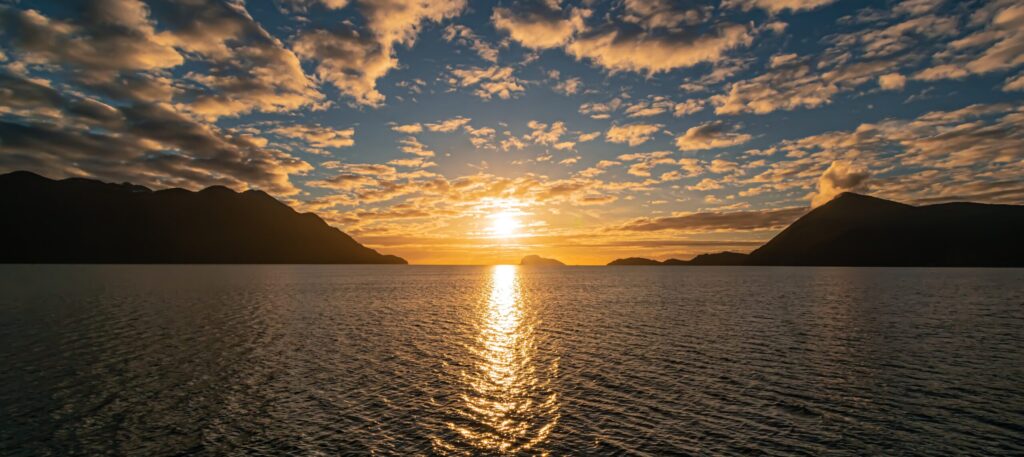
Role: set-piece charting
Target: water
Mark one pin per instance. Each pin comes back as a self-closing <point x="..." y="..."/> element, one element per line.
<point x="394" y="360"/>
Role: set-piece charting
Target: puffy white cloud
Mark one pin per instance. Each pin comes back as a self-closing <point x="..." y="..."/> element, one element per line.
<point x="354" y="60"/>
<point x="892" y="81"/>
<point x="350" y="61"/>
<point x="539" y="26"/>
<point x="632" y="134"/>
<point x="408" y="128"/>
<point x="711" y="135"/>
<point x="619" y="50"/>
<point x="488" y="82"/>
<point x="690" y="106"/>
<point x="541" y="133"/>
<point x="841" y="176"/>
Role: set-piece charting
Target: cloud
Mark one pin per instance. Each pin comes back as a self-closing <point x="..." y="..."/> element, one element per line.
<point x="711" y="135"/>
<point x="705" y="184"/>
<point x="541" y="133"/>
<point x="113" y="47"/>
<point x="841" y="176"/>
<point x="410" y="145"/>
<point x="633" y="134"/>
<point x="568" y="87"/>
<point x="796" y="86"/>
<point x="621" y="50"/>
<point x="600" y="110"/>
<point x="408" y="128"/>
<point x="997" y="46"/>
<point x="318" y="136"/>
<point x="304" y="5"/>
<point x="646" y="162"/>
<point x="652" y="106"/>
<point x="660" y="14"/>
<point x="148" y="144"/>
<point x="465" y="36"/>
<point x="347" y="59"/>
<point x="354" y="60"/>
<point x="776" y="6"/>
<point x="892" y="81"/>
<point x="113" y="35"/>
<point x="448" y="125"/>
<point x="489" y="82"/>
<point x="539" y="25"/>
<point x="718" y="221"/>
<point x="1014" y="83"/>
<point x="688" y="107"/>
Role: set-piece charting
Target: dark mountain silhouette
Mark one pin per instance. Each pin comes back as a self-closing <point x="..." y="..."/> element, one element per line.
<point x="858" y="230"/>
<point x="634" y="261"/>
<point x="538" y="260"/>
<point x="86" y="221"/>
<point x="720" y="258"/>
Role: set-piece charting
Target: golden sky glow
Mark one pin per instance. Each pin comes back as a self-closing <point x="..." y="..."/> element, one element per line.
<point x="478" y="132"/>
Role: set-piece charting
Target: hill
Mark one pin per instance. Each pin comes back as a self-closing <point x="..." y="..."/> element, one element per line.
<point x="87" y="221"/>
<point x="858" y="230"/>
<point x="720" y="258"/>
<point x="538" y="260"/>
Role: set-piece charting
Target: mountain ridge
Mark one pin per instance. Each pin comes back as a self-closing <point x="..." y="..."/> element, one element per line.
<point x="861" y="230"/>
<point x="80" y="220"/>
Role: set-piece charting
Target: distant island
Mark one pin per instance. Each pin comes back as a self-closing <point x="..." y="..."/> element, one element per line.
<point x="858" y="230"/>
<point x="79" y="220"/>
<point x="538" y="260"/>
<point x="720" y="258"/>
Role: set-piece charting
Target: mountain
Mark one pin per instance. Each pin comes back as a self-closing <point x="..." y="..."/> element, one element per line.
<point x="633" y="261"/>
<point x="720" y="258"/>
<point x="857" y="230"/>
<point x="538" y="260"/>
<point x="86" y="221"/>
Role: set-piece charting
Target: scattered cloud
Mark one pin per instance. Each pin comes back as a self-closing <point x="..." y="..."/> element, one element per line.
<point x="632" y="134"/>
<point x="711" y="135"/>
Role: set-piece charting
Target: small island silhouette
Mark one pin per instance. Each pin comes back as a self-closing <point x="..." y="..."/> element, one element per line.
<point x="79" y="220"/>
<point x="538" y="260"/>
<point x="859" y="230"/>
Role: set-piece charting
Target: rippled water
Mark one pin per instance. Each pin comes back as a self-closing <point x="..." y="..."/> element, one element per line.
<point x="396" y="360"/>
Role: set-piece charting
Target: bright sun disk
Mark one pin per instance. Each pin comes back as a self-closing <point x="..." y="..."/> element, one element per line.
<point x="504" y="224"/>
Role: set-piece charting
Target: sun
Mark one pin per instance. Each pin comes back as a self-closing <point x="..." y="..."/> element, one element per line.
<point x="504" y="224"/>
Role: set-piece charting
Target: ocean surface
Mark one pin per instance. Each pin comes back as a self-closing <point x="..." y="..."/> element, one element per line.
<point x="422" y="360"/>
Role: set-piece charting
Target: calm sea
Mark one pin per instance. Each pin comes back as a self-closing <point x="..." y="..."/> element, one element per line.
<point x="399" y="360"/>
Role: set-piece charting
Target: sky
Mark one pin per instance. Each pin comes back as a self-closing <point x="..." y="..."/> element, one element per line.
<point x="477" y="132"/>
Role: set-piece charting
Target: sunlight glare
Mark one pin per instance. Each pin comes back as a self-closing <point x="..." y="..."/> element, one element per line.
<point x="504" y="224"/>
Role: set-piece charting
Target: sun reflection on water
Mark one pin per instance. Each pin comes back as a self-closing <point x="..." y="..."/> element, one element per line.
<point x="507" y="406"/>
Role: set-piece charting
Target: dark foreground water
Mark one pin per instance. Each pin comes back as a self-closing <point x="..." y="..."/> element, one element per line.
<point x="394" y="360"/>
